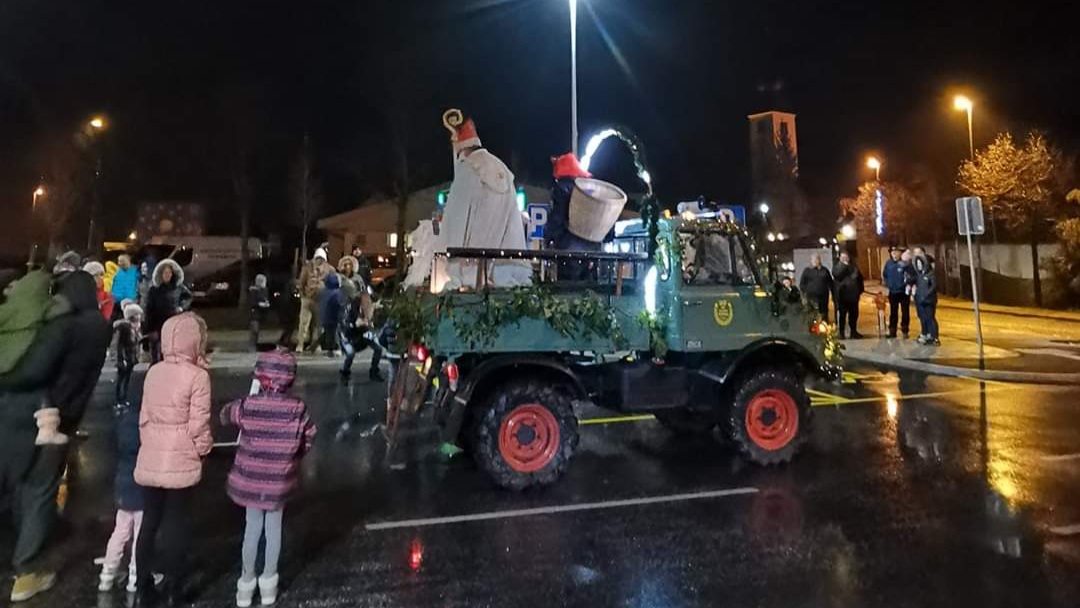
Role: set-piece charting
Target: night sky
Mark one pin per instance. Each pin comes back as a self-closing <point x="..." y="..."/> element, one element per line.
<point x="177" y="79"/>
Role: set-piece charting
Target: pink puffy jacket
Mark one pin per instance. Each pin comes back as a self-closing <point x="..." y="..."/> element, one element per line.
<point x="174" y="424"/>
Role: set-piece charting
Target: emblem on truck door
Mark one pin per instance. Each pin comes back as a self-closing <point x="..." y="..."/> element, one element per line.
<point x="723" y="312"/>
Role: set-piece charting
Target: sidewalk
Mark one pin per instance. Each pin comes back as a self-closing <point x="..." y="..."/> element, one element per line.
<point x="961" y="358"/>
<point x="872" y="287"/>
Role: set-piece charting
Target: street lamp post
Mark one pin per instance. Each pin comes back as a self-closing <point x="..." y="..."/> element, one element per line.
<point x="573" y="79"/>
<point x="962" y="103"/>
<point x="97" y="125"/>
<point x="874" y="163"/>
<point x="38" y="193"/>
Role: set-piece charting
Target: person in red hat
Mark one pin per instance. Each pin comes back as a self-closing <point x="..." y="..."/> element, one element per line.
<point x="566" y="169"/>
<point x="481" y="209"/>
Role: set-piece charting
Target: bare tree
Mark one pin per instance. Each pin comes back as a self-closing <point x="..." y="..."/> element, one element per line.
<point x="66" y="182"/>
<point x="240" y="114"/>
<point x="305" y="191"/>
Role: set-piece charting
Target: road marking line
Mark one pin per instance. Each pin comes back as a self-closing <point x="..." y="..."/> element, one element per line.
<point x="615" y="419"/>
<point x="1060" y="457"/>
<point x="1070" y="530"/>
<point x="586" y="506"/>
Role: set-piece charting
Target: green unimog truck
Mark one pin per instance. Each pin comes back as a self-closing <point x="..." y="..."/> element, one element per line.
<point x="693" y="334"/>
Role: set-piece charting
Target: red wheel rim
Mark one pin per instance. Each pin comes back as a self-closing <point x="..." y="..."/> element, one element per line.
<point x="529" y="438"/>
<point x="772" y="419"/>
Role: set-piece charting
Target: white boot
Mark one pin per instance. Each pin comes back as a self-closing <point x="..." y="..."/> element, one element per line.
<point x="245" y="591"/>
<point x="268" y="589"/>
<point x="106" y="579"/>
<point x="48" y="421"/>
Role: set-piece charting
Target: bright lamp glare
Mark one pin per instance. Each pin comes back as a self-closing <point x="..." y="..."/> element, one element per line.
<point x="961" y="102"/>
<point x="594" y="145"/>
<point x="650" y="290"/>
<point x="848" y="231"/>
<point x="873" y="163"/>
<point x="763" y="208"/>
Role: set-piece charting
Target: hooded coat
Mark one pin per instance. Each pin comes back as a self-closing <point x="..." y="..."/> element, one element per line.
<point x="62" y="366"/>
<point x="174" y="424"/>
<point x="330" y="301"/>
<point x="926" y="290"/>
<point x="25" y="311"/>
<point x="275" y="433"/>
<point x="165" y="299"/>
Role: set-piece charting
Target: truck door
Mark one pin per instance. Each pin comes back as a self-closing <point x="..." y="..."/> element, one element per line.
<point x="720" y="303"/>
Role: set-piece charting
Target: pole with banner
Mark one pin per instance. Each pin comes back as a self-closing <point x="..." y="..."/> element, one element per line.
<point x="969" y="221"/>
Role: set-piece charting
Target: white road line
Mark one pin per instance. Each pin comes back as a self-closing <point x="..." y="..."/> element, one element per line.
<point x="1070" y="530"/>
<point x="586" y="506"/>
<point x="1060" y="457"/>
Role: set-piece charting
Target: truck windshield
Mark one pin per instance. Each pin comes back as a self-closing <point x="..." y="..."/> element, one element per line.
<point x="714" y="259"/>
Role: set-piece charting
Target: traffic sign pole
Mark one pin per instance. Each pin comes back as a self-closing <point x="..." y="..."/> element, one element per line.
<point x="968" y="229"/>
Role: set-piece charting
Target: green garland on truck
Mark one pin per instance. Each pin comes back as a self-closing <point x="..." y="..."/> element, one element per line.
<point x="583" y="316"/>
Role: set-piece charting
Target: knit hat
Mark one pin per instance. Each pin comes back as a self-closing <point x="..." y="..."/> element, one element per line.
<point x="275" y="370"/>
<point x="70" y="261"/>
<point x="94" y="269"/>
<point x="131" y="311"/>
<point x="320" y="253"/>
<point x="567" y="165"/>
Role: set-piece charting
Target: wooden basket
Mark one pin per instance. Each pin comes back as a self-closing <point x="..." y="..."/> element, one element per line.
<point x="594" y="208"/>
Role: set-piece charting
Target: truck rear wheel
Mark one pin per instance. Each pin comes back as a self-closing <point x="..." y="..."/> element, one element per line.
<point x="770" y="416"/>
<point x="526" y="435"/>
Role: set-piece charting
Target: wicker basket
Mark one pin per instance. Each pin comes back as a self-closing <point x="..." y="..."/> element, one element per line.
<point x="594" y="208"/>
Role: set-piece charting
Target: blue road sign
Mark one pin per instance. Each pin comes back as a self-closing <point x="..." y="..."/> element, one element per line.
<point x="538" y="218"/>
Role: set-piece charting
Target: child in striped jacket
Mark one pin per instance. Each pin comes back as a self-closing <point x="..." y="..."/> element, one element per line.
<point x="275" y="433"/>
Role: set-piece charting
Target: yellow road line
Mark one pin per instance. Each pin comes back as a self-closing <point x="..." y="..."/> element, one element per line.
<point x="616" y="419"/>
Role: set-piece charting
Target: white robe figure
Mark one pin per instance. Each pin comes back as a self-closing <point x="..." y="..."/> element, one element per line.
<point x="482" y="213"/>
<point x="423" y="243"/>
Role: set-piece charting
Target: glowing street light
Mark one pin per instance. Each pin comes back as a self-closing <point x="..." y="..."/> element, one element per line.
<point x="38" y="193"/>
<point x="97" y="122"/>
<point x="964" y="104"/>
<point x="872" y="162"/>
<point x="764" y="208"/>
<point x="847" y="231"/>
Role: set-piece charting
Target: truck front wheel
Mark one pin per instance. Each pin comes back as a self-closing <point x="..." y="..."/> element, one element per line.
<point x="770" y="416"/>
<point x="525" y="435"/>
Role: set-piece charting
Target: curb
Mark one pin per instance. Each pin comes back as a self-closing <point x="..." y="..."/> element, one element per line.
<point x="967" y="372"/>
<point x="309" y="362"/>
<point x="994" y="310"/>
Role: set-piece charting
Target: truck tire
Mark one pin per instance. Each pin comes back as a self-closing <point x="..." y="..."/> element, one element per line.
<point x="687" y="422"/>
<point x="770" y="417"/>
<point x="525" y="435"/>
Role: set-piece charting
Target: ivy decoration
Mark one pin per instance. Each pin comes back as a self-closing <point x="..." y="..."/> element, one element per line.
<point x="585" y="316"/>
<point x="656" y="325"/>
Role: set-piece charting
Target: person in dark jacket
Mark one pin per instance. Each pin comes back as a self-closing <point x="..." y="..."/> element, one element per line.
<point x="895" y="275"/>
<point x="288" y="313"/>
<point x="788" y="292"/>
<point x="128" y="335"/>
<point x="926" y="298"/>
<point x="259" y="300"/>
<point x="330" y="312"/>
<point x="167" y="297"/>
<point x="849" y="288"/>
<point x="129" y="500"/>
<point x="816" y="284"/>
<point x="63" y="366"/>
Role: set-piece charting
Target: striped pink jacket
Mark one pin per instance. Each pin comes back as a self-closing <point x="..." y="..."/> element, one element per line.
<point x="275" y="433"/>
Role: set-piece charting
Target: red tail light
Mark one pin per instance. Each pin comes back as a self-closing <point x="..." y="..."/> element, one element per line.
<point x="451" y="372"/>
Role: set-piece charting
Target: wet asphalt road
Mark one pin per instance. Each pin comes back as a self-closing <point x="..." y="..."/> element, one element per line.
<point x="914" y="491"/>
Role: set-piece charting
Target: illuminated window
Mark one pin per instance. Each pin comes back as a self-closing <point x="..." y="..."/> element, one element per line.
<point x="391" y="240"/>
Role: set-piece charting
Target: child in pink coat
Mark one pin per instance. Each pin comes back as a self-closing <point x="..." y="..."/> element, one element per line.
<point x="174" y="434"/>
<point x="275" y="433"/>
